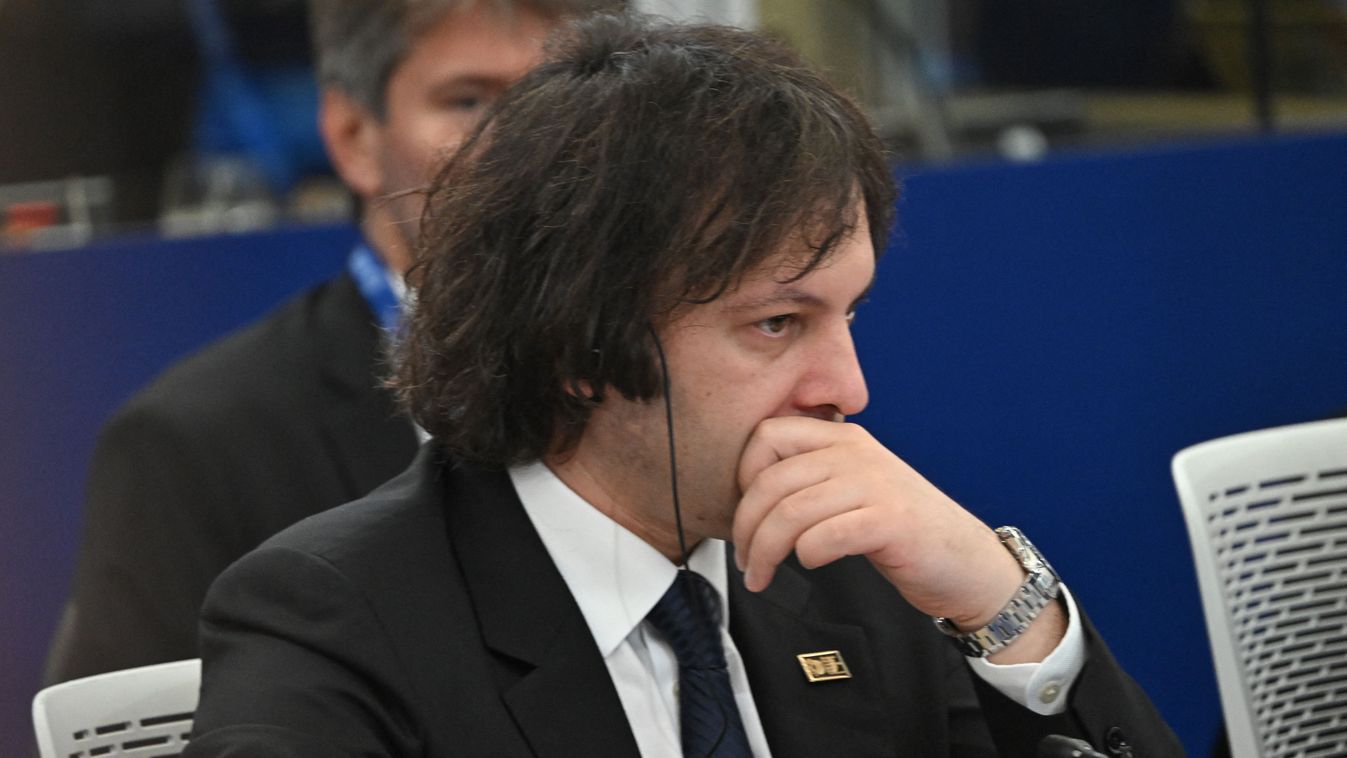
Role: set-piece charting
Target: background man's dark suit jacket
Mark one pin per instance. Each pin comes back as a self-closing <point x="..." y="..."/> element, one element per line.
<point x="428" y="620"/>
<point x="279" y="421"/>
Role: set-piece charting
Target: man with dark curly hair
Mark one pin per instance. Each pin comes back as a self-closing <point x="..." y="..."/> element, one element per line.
<point x="643" y="525"/>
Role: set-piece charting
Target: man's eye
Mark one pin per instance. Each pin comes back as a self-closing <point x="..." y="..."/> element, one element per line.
<point x="461" y="99"/>
<point x="851" y="318"/>
<point x="775" y="325"/>
<point x="464" y="103"/>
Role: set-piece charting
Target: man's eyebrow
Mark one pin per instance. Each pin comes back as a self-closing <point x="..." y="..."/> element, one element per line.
<point x="469" y="80"/>
<point x="792" y="296"/>
<point x="865" y="295"/>
<point x="784" y="296"/>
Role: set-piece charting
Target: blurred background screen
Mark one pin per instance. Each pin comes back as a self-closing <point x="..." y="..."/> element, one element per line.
<point x="197" y="115"/>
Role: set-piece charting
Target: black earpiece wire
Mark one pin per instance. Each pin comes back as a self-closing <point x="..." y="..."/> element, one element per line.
<point x="673" y="454"/>
<point x="678" y="511"/>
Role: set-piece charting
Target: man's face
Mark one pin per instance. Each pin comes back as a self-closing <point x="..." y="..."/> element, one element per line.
<point x="763" y="350"/>
<point x="451" y="74"/>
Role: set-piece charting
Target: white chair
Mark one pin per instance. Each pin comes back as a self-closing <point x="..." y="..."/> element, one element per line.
<point x="1267" y="515"/>
<point x="140" y="712"/>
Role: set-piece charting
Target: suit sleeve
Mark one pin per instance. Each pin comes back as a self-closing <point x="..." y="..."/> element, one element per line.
<point x="296" y="664"/>
<point x="1106" y="708"/>
<point x="156" y="533"/>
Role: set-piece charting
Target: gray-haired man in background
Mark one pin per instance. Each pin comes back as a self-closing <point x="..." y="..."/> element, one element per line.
<point x="288" y="417"/>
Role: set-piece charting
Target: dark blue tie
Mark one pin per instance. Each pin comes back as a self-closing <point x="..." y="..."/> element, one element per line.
<point x="688" y="617"/>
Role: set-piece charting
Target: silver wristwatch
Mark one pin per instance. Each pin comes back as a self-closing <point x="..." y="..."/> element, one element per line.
<point x="1039" y="588"/>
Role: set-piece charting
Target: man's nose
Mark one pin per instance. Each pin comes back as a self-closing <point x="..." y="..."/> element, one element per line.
<point x="834" y="382"/>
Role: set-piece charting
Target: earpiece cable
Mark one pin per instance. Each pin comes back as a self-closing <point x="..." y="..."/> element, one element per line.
<point x="673" y="454"/>
<point x="678" y="511"/>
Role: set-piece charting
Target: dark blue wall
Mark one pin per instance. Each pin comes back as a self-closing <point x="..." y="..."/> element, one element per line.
<point x="80" y="331"/>
<point x="1045" y="337"/>
<point x="1042" y="339"/>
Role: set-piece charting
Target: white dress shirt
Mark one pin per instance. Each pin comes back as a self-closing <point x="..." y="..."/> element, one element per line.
<point x="616" y="578"/>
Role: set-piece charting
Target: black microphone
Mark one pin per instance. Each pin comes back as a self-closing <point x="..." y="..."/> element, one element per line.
<point x="1061" y="746"/>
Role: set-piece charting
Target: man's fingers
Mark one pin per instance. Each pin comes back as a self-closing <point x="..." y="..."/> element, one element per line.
<point x="777" y="534"/>
<point x="776" y="439"/>
<point x="856" y="532"/>
<point x="774" y="484"/>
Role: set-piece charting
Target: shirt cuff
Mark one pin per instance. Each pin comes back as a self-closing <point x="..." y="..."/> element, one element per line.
<point x="1045" y="686"/>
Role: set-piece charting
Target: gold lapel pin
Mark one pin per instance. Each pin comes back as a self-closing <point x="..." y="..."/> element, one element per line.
<point x="824" y="666"/>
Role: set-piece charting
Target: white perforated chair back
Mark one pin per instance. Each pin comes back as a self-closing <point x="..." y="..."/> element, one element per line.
<point x="144" y="712"/>
<point x="1267" y="515"/>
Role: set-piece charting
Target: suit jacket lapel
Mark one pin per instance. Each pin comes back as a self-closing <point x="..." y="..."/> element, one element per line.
<point x="555" y="684"/>
<point x="553" y="680"/>
<point x="802" y="718"/>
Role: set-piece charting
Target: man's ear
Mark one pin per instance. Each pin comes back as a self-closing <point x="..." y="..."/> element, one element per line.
<point x="581" y="388"/>
<point x="354" y="139"/>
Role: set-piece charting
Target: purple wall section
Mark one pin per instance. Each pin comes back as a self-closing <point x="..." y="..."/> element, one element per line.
<point x="1042" y="339"/>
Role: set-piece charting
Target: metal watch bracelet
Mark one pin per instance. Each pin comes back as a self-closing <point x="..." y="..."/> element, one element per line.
<point x="1040" y="587"/>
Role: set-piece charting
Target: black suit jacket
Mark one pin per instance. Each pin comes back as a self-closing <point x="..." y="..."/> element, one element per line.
<point x="276" y="422"/>
<point x="428" y="620"/>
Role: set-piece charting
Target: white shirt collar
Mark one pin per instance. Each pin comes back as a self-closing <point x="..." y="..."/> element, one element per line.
<point x="397" y="284"/>
<point x="615" y="576"/>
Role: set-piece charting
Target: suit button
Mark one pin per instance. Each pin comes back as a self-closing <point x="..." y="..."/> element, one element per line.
<point x="1115" y="741"/>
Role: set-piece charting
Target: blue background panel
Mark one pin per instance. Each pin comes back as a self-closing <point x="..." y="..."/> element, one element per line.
<point x="1042" y="339"/>
<point x="80" y="331"/>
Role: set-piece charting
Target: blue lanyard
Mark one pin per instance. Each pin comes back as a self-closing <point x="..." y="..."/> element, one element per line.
<point x="371" y="278"/>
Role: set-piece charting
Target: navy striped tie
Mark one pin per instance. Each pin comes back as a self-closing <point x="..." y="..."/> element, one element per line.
<point x="688" y="617"/>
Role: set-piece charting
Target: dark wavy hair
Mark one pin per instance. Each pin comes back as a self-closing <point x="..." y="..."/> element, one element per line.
<point x="643" y="167"/>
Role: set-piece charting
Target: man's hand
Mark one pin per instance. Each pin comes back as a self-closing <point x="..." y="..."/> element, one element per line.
<point x="827" y="490"/>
